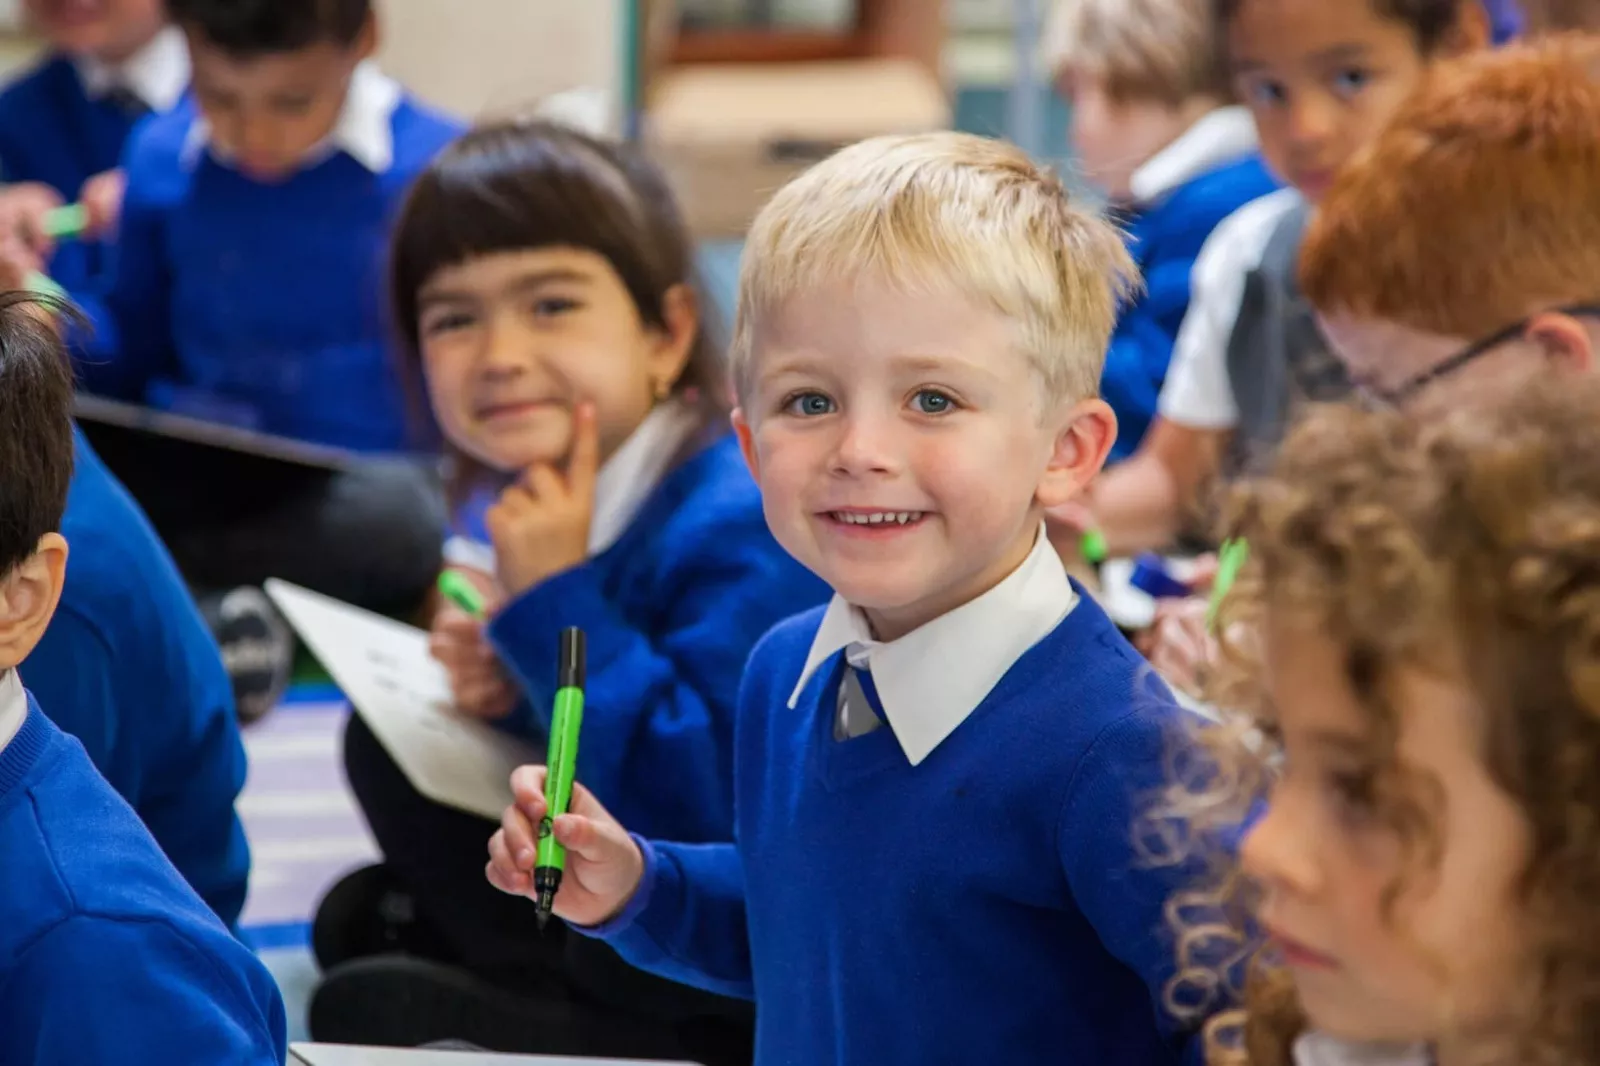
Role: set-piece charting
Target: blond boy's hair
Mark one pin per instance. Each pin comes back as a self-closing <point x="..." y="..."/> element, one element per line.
<point x="1168" y="51"/>
<point x="1478" y="204"/>
<point x="945" y="212"/>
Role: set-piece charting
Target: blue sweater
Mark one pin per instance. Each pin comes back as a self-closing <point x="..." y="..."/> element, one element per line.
<point x="128" y="667"/>
<point x="106" y="956"/>
<point x="984" y="906"/>
<point x="52" y="132"/>
<point x="257" y="304"/>
<point x="671" y="611"/>
<point x="1165" y="237"/>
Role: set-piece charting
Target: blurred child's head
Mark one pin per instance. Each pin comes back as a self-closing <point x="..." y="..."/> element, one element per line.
<point x="1415" y="650"/>
<point x="36" y="450"/>
<point x="1321" y="78"/>
<point x="921" y="327"/>
<point x="1462" y="250"/>
<point x="271" y="76"/>
<point x="534" y="268"/>
<point x="107" y="30"/>
<point x="1137" y="73"/>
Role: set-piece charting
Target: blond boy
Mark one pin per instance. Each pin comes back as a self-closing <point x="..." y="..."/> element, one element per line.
<point x="1153" y="125"/>
<point x="935" y="774"/>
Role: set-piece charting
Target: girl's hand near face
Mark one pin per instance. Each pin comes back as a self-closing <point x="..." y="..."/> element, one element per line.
<point x="540" y="524"/>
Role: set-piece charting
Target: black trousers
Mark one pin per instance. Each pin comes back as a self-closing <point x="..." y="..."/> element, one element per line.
<point x="438" y="855"/>
<point x="368" y="535"/>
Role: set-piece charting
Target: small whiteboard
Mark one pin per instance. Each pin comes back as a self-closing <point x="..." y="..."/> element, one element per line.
<point x="384" y="669"/>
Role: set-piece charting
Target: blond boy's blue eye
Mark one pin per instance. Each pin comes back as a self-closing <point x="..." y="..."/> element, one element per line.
<point x="809" y="404"/>
<point x="929" y="402"/>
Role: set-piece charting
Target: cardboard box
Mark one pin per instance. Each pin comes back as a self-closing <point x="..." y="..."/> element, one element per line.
<point x="729" y="135"/>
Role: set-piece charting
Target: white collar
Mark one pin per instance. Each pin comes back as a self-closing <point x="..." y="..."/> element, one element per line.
<point x="932" y="678"/>
<point x="13" y="707"/>
<point x="1320" y="1049"/>
<point x="634" y="470"/>
<point x="1217" y="137"/>
<point x="364" y="131"/>
<point x="157" y="74"/>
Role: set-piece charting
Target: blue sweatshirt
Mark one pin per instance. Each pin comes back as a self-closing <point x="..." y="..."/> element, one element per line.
<point x="1165" y="237"/>
<point x="987" y="905"/>
<point x="128" y="667"/>
<point x="258" y="304"/>
<point x="671" y="611"/>
<point x="106" y="956"/>
<point x="52" y="132"/>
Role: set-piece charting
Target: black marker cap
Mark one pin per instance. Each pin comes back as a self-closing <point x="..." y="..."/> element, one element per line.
<point x="570" y="670"/>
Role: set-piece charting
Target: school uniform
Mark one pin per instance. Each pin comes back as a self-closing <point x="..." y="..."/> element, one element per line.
<point x="1178" y="197"/>
<point x="106" y="956"/>
<point x="1250" y="353"/>
<point x="128" y="668"/>
<point x="261" y="306"/>
<point x="934" y="857"/>
<point x="683" y="578"/>
<point x="68" y="119"/>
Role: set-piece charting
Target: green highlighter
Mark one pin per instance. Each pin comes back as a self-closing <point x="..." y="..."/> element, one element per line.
<point x="64" y="222"/>
<point x="561" y="769"/>
<point x="1230" y="560"/>
<point x="461" y="592"/>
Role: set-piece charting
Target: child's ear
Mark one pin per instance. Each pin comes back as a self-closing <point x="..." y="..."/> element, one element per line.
<point x="747" y="442"/>
<point x="28" y="598"/>
<point x="365" y="46"/>
<point x="1564" y="340"/>
<point x="1470" y="33"/>
<point x="680" y="313"/>
<point x="1078" y="454"/>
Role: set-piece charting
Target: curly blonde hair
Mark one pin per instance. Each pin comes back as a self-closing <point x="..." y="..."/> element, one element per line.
<point x="1468" y="543"/>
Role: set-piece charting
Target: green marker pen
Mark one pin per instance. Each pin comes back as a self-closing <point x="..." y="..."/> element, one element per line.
<point x="463" y="593"/>
<point x="562" y="765"/>
<point x="68" y="221"/>
<point x="1230" y="560"/>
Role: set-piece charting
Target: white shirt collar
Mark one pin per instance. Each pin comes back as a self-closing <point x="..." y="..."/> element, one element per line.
<point x="932" y="678"/>
<point x="1320" y="1049"/>
<point x="157" y="74"/>
<point x="1219" y="137"/>
<point x="634" y="470"/>
<point x="13" y="707"/>
<point x="364" y="130"/>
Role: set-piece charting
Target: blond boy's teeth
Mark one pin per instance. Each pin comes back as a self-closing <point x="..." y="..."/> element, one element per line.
<point x="876" y="518"/>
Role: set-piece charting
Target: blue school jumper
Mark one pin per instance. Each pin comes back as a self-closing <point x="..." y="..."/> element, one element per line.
<point x="128" y="667"/>
<point x="671" y="611"/>
<point x="1165" y="238"/>
<point x="259" y="304"/>
<point x="986" y="905"/>
<point x="106" y="956"/>
<point x="53" y="132"/>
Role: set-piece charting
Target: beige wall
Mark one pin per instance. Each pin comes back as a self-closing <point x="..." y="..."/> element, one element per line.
<point x="494" y="56"/>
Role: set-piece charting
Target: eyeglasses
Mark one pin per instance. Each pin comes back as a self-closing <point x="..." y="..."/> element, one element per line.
<point x="1407" y="390"/>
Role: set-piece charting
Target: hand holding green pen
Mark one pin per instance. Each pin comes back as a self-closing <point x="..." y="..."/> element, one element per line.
<point x="458" y="642"/>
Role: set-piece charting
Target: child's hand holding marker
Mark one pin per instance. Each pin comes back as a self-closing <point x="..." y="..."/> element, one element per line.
<point x="540" y="525"/>
<point x="101" y="198"/>
<point x="456" y="640"/>
<point x="604" y="866"/>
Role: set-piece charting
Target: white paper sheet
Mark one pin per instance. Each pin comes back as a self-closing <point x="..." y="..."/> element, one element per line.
<point x="403" y="695"/>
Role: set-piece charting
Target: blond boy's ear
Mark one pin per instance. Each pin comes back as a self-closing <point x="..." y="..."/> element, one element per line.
<point x="747" y="441"/>
<point x="1079" y="453"/>
<point x="28" y="598"/>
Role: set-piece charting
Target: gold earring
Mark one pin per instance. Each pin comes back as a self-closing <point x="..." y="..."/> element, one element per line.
<point x="663" y="389"/>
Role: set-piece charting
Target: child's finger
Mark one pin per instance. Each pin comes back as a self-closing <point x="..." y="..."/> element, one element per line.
<point x="502" y="871"/>
<point x="543" y="482"/>
<point x="519" y="837"/>
<point x="527" y="785"/>
<point x="591" y="841"/>
<point x="583" y="465"/>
